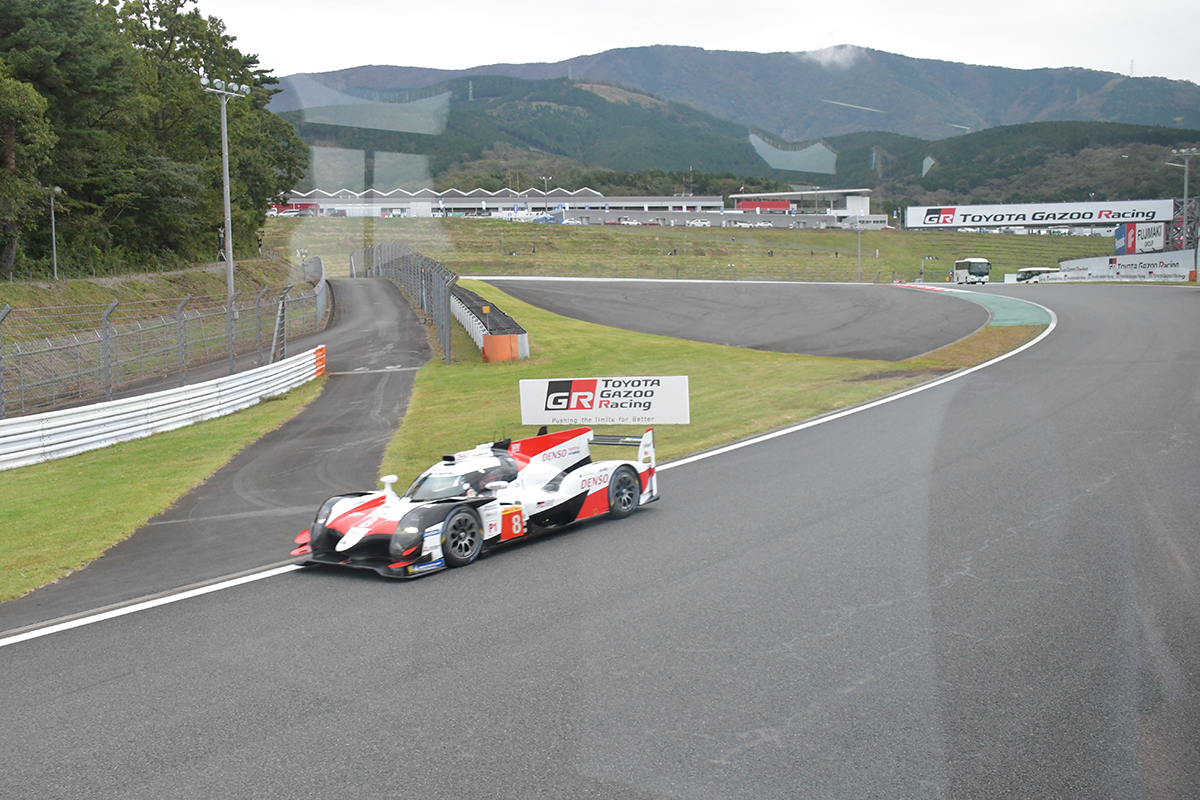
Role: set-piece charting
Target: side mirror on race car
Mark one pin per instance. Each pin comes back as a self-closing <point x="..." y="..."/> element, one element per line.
<point x="387" y="481"/>
<point x="496" y="486"/>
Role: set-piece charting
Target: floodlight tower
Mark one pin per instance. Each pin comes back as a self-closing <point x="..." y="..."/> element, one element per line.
<point x="1186" y="154"/>
<point x="224" y="91"/>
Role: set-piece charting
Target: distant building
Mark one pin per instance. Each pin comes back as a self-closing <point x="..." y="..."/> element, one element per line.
<point x="829" y="207"/>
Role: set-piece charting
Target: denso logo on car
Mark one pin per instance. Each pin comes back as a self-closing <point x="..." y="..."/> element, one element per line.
<point x="595" y="481"/>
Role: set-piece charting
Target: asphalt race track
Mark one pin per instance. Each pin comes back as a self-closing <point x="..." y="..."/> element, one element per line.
<point x="824" y="319"/>
<point x="986" y="589"/>
<point x="241" y="517"/>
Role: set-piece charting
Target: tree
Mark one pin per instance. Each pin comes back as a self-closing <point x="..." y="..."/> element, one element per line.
<point x="174" y="43"/>
<point x="25" y="142"/>
<point x="138" y="142"/>
<point x="71" y="52"/>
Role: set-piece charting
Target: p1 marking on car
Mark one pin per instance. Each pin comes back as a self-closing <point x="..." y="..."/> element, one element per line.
<point x="493" y="494"/>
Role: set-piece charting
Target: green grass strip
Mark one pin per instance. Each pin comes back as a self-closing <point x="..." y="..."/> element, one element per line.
<point x="60" y="515"/>
<point x="734" y="392"/>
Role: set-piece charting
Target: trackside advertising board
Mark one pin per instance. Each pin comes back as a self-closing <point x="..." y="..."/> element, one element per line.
<point x="1173" y="266"/>
<point x="606" y="401"/>
<point x="1037" y="214"/>
<point x="1131" y="238"/>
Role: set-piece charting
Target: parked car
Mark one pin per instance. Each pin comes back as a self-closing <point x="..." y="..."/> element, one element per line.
<point x="698" y="223"/>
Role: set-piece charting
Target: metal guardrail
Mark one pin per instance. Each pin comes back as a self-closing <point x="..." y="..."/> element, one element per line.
<point x="427" y="283"/>
<point x="56" y="356"/>
<point x="57" y="434"/>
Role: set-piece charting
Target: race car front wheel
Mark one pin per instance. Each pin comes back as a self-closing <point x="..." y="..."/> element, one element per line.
<point x="462" y="537"/>
<point x="624" y="490"/>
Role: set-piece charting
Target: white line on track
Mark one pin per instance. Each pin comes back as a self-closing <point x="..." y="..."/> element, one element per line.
<point x="155" y="603"/>
<point x="924" y="387"/>
<point x="270" y="573"/>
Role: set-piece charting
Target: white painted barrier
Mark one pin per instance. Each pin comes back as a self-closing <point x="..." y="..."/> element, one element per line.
<point x="1174" y="266"/>
<point x="57" y="434"/>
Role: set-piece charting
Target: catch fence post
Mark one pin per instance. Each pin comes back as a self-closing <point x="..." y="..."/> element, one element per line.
<point x="258" y="316"/>
<point x="3" y="313"/>
<point x="444" y="311"/>
<point x="278" y="341"/>
<point x="180" y="340"/>
<point x="106" y="364"/>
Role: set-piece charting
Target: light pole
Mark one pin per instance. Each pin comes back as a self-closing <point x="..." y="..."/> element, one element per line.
<point x="1186" y="154"/>
<point x="54" y="236"/>
<point x="225" y="91"/>
<point x="858" y="227"/>
<point x="546" y="192"/>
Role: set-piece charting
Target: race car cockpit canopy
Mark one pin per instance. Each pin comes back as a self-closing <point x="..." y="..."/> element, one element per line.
<point x="466" y="478"/>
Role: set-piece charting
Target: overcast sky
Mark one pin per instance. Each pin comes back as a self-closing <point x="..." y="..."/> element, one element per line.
<point x="1160" y="38"/>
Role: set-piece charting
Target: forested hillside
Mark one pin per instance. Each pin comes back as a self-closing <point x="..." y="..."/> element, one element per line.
<point x="501" y="131"/>
<point x="1045" y="161"/>
<point x="629" y="132"/>
<point x="844" y="89"/>
<point x="105" y="103"/>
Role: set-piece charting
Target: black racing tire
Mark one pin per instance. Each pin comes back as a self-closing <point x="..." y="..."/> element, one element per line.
<point x="462" y="537"/>
<point x="624" y="491"/>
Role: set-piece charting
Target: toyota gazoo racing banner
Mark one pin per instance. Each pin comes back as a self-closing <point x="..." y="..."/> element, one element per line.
<point x="1038" y="214"/>
<point x="606" y="401"/>
<point x="1176" y="266"/>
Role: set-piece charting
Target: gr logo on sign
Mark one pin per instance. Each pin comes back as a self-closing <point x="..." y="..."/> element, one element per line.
<point x="939" y="216"/>
<point x="571" y="395"/>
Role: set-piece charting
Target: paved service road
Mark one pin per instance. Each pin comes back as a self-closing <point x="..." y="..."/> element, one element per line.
<point x="882" y="322"/>
<point x="244" y="516"/>
<point x="985" y="589"/>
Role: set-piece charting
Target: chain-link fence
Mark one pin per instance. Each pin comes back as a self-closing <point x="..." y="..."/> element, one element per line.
<point x="50" y="357"/>
<point x="427" y="283"/>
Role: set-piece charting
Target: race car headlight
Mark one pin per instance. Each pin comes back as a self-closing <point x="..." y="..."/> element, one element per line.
<point x="409" y="529"/>
<point x="406" y="542"/>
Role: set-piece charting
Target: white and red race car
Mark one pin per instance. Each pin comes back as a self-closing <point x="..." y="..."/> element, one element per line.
<point x="496" y="493"/>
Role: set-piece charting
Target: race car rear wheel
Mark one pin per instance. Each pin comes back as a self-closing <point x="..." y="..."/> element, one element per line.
<point x="624" y="491"/>
<point x="462" y="537"/>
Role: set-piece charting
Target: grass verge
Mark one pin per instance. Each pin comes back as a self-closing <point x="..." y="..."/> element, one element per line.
<point x="487" y="247"/>
<point x="62" y="514"/>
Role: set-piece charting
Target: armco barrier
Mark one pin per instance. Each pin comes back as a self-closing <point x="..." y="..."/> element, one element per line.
<point x="56" y="434"/>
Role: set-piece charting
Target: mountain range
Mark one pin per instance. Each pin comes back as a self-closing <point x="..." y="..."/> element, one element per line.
<point x="404" y="127"/>
<point x="846" y="89"/>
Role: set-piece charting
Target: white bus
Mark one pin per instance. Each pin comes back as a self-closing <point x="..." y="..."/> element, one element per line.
<point x="972" y="270"/>
<point x="1035" y="274"/>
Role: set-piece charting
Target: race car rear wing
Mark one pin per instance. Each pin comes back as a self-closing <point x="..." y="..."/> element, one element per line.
<point x="644" y="443"/>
